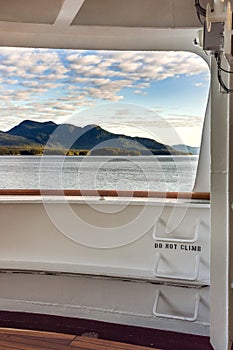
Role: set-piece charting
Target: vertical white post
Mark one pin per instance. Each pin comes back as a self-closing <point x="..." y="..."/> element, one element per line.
<point x="221" y="214"/>
<point x="230" y="203"/>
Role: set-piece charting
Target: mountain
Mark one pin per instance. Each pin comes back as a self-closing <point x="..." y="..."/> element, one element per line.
<point x="34" y="131"/>
<point x="9" y="140"/>
<point x="186" y="149"/>
<point x="68" y="136"/>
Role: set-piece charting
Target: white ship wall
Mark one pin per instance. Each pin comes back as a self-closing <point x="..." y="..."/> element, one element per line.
<point x="132" y="261"/>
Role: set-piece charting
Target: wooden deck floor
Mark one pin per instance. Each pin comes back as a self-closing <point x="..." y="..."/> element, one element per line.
<point x="12" y="339"/>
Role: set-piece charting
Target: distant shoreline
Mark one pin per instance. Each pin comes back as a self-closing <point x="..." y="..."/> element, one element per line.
<point x="18" y="151"/>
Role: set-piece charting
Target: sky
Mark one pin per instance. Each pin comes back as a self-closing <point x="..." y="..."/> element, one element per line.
<point x="161" y="95"/>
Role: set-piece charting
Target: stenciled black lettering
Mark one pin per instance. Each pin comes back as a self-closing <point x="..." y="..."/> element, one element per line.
<point x="171" y="246"/>
<point x="190" y="248"/>
<point x="158" y="245"/>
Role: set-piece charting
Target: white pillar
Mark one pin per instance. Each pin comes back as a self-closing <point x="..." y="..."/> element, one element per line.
<point x="221" y="213"/>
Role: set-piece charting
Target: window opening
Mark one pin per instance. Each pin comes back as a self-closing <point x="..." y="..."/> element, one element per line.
<point x="106" y="120"/>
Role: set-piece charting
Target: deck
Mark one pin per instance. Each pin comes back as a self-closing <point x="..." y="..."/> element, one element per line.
<point x="11" y="339"/>
<point x="20" y="330"/>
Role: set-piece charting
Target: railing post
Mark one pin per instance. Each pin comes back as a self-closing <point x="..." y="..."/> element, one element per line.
<point x="221" y="213"/>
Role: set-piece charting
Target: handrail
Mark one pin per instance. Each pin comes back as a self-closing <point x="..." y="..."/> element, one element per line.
<point x="106" y="193"/>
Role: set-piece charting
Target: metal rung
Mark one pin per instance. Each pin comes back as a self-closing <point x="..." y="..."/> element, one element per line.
<point x="194" y="277"/>
<point x="169" y="232"/>
<point x="177" y="317"/>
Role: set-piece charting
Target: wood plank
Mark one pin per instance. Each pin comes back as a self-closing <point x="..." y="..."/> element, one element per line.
<point x="28" y="344"/>
<point x="56" y="344"/>
<point x="38" y="334"/>
<point x="12" y="339"/>
<point x="101" y="344"/>
<point x="33" y="340"/>
<point x="36" y="342"/>
<point x="5" y="347"/>
<point x="22" y="346"/>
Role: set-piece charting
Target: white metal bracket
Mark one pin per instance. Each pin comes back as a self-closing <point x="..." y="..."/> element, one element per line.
<point x="193" y="239"/>
<point x="173" y="276"/>
<point x="176" y="317"/>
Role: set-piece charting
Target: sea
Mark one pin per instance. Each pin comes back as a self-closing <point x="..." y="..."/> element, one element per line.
<point x="146" y="173"/>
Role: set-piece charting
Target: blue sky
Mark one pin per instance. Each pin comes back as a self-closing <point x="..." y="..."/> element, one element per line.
<point x="161" y="95"/>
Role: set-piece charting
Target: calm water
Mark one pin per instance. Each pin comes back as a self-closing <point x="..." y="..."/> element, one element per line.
<point x="159" y="173"/>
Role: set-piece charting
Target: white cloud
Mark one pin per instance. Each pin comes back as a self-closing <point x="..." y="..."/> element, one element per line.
<point x="84" y="59"/>
<point x="22" y="95"/>
<point x="10" y="82"/>
<point x="55" y="83"/>
<point x="50" y="85"/>
<point x="30" y="83"/>
<point x="100" y="81"/>
<point x="129" y="67"/>
<point x="80" y="80"/>
<point x="199" y="84"/>
<point x="140" y="92"/>
<point x="103" y="94"/>
<point x="60" y="70"/>
<point x="38" y="69"/>
<point x="51" y="76"/>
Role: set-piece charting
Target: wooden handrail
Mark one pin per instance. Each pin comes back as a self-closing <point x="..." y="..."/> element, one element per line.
<point x="106" y="193"/>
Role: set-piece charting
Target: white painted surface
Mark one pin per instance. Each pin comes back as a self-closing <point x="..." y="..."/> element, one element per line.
<point x="220" y="296"/>
<point x="87" y="281"/>
<point x="109" y="300"/>
<point x="108" y="238"/>
<point x="202" y="180"/>
<point x="68" y="11"/>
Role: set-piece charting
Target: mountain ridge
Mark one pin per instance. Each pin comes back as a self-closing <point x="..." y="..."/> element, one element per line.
<point x="91" y="138"/>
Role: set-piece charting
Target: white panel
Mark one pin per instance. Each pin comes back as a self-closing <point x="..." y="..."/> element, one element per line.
<point x="94" y="37"/>
<point x="84" y="239"/>
<point x="138" y="13"/>
<point x="202" y="181"/>
<point x="29" y="11"/>
<point x="116" y="301"/>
